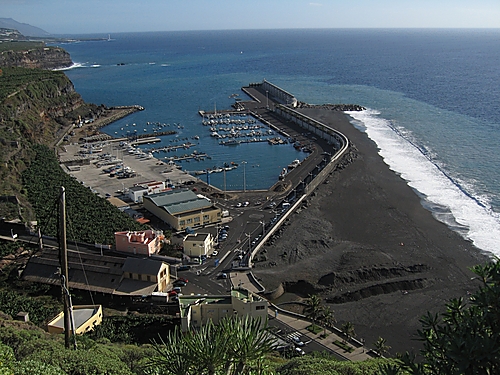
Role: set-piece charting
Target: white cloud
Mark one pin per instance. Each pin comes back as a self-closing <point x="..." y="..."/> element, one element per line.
<point x="315" y="4"/>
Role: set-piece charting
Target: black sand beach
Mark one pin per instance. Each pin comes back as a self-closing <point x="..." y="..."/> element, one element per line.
<point x="368" y="247"/>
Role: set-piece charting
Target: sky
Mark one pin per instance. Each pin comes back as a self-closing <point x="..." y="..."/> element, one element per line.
<point x="109" y="16"/>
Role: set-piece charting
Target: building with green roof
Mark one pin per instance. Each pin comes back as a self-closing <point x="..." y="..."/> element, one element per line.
<point x="182" y="209"/>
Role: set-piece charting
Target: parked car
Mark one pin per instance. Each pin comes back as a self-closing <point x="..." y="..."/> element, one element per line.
<point x="172" y="293"/>
<point x="297" y="341"/>
<point x="179" y="283"/>
<point x="183" y="279"/>
<point x="183" y="268"/>
<point x="222" y="276"/>
<point x="215" y="253"/>
<point x="176" y="289"/>
<point x="299" y="351"/>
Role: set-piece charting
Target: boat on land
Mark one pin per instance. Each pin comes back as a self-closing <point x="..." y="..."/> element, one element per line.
<point x="294" y="164"/>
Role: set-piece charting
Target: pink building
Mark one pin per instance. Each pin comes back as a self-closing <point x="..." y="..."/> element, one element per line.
<point x="145" y="242"/>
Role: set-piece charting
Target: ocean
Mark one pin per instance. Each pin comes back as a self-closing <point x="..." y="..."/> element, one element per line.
<point x="432" y="99"/>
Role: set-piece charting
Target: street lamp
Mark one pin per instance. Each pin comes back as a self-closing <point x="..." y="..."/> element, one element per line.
<point x="244" y="176"/>
<point x="249" y="244"/>
<point x="225" y="198"/>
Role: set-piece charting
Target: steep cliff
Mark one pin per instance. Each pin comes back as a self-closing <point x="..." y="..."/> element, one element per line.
<point x="36" y="106"/>
<point x="39" y="57"/>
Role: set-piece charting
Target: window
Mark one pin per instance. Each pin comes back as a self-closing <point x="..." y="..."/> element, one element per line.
<point x="259" y="307"/>
<point x="149" y="278"/>
<point x="182" y="222"/>
<point x="189" y="221"/>
<point x="206" y="217"/>
<point x="196" y="219"/>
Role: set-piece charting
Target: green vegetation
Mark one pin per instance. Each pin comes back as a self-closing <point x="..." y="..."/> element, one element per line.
<point x="348" y="330"/>
<point x="34" y="81"/>
<point x="133" y="329"/>
<point x="20" y="46"/>
<point x="34" y="104"/>
<point x="381" y="346"/>
<point x="314" y="308"/>
<point x="343" y="345"/>
<point x="234" y="346"/>
<point x="321" y="364"/>
<point x="40" y="309"/>
<point x="90" y="218"/>
<point x="314" y="329"/>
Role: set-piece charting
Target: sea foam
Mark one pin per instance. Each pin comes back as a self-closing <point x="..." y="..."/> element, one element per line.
<point x="448" y="199"/>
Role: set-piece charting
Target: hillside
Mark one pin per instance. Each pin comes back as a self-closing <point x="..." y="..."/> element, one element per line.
<point x="36" y="107"/>
<point x="23" y="28"/>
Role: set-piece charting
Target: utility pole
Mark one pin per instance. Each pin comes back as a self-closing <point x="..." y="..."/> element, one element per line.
<point x="68" y="326"/>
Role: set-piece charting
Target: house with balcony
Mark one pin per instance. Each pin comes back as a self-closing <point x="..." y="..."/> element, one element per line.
<point x="146" y="242"/>
<point x="182" y="209"/>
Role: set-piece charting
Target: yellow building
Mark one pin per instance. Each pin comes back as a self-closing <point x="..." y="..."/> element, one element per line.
<point x="143" y="277"/>
<point x="196" y="311"/>
<point x="85" y="318"/>
<point x="182" y="209"/>
<point x="198" y="244"/>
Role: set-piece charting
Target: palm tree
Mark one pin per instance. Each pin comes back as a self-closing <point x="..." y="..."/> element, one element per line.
<point x="246" y="342"/>
<point x="171" y="353"/>
<point x="348" y="330"/>
<point x="206" y="349"/>
<point x="235" y="346"/>
<point x="327" y="318"/>
<point x="314" y="308"/>
<point x="381" y="346"/>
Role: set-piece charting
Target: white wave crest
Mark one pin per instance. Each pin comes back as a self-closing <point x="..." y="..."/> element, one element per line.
<point x="449" y="200"/>
<point x="73" y="66"/>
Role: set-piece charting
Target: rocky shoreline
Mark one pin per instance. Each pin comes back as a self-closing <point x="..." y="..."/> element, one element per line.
<point x="331" y="107"/>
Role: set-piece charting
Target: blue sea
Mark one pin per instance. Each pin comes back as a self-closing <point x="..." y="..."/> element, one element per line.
<point x="432" y="99"/>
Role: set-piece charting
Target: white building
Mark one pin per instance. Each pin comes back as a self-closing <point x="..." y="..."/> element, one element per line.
<point x="198" y="244"/>
<point x="136" y="192"/>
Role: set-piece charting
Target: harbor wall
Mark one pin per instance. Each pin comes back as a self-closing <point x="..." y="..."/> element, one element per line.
<point x="277" y="93"/>
<point x="332" y="136"/>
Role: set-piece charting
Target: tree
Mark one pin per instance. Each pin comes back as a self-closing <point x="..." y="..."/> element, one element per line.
<point x="248" y="343"/>
<point x="381" y="346"/>
<point x="348" y="330"/>
<point x="234" y="346"/>
<point x="327" y="318"/>
<point x="313" y="308"/>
